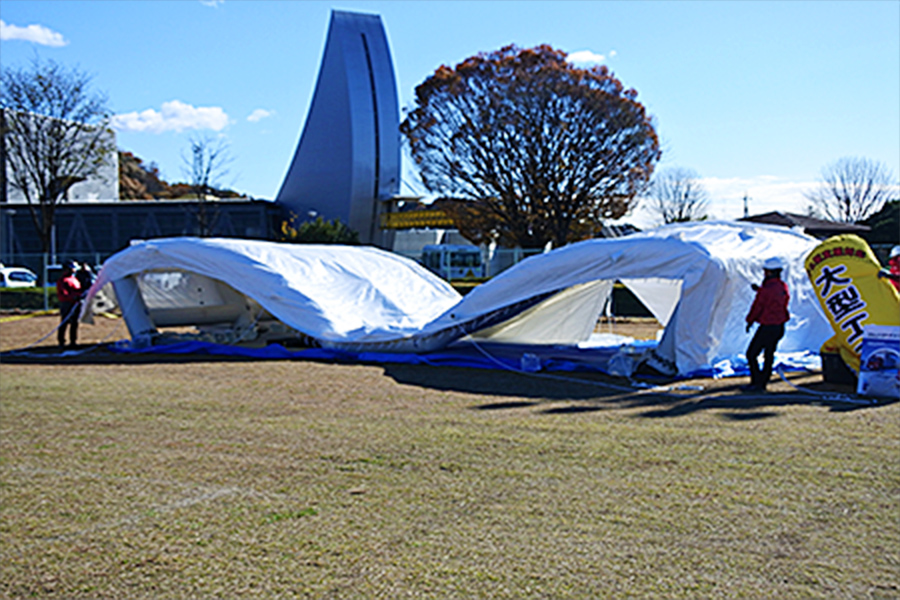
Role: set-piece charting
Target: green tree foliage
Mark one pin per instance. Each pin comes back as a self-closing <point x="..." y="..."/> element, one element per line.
<point x="540" y="150"/>
<point x="56" y="134"/>
<point x="138" y="181"/>
<point x="319" y="231"/>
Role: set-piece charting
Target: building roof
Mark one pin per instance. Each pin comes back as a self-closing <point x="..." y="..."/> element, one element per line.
<point x="612" y="230"/>
<point x="820" y="228"/>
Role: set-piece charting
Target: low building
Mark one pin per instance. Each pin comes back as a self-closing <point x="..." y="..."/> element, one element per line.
<point x="92" y="231"/>
<point x="817" y="228"/>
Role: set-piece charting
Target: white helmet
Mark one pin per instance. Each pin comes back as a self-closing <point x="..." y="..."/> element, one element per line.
<point x="773" y="264"/>
<point x="895" y="251"/>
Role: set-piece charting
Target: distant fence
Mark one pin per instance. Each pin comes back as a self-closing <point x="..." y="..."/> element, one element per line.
<point x="495" y="261"/>
<point x="45" y="266"/>
<point x="48" y="269"/>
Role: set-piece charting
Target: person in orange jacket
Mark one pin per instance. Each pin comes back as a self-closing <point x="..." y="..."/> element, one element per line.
<point x="68" y="291"/>
<point x="770" y="310"/>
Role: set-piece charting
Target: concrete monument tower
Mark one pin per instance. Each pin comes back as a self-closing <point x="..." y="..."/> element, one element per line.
<point x="347" y="164"/>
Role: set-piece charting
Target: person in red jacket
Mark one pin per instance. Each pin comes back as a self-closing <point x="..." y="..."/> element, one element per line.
<point x="68" y="291"/>
<point x="892" y="273"/>
<point x="770" y="310"/>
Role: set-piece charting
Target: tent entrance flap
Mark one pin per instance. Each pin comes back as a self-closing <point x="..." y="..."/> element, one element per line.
<point x="659" y="295"/>
<point x="567" y="317"/>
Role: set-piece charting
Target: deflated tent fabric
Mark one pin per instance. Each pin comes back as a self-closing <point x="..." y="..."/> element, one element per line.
<point x="695" y="278"/>
<point x="331" y="293"/>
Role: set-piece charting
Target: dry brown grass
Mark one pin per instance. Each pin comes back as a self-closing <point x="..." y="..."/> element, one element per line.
<point x="227" y="479"/>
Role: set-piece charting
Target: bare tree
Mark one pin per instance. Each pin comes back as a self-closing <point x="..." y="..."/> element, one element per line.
<point x="205" y="166"/>
<point x="853" y="188"/>
<point x="677" y="196"/>
<point x="55" y="133"/>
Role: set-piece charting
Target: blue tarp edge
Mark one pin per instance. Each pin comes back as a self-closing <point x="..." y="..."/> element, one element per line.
<point x="476" y="356"/>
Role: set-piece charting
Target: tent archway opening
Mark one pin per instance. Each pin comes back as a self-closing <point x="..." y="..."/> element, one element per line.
<point x="573" y="316"/>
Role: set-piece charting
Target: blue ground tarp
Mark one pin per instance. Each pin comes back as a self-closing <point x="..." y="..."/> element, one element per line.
<point x="527" y="358"/>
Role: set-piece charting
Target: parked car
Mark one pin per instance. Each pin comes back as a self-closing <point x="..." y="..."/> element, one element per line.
<point x="11" y="277"/>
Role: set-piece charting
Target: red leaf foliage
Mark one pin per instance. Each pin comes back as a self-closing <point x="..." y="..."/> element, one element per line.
<point x="539" y="149"/>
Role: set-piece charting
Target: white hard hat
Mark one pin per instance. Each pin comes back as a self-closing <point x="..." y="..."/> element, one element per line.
<point x="895" y="251"/>
<point x="773" y="264"/>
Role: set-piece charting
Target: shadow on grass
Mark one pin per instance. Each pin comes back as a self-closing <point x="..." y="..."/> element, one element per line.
<point x="542" y="392"/>
<point x="489" y="382"/>
<point x="587" y="393"/>
<point x="505" y="405"/>
<point x="100" y="355"/>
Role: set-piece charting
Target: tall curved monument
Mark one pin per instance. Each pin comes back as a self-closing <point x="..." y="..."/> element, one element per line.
<point x="347" y="164"/>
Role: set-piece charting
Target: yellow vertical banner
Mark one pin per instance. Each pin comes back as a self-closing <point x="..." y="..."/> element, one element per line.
<point x="844" y="273"/>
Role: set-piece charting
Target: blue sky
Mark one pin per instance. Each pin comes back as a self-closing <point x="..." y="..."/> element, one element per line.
<point x="756" y="97"/>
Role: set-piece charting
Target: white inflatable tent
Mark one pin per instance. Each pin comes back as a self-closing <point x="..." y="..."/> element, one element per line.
<point x="695" y="278"/>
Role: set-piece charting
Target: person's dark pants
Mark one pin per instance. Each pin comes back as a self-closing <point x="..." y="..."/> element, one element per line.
<point x="765" y="340"/>
<point x="68" y="319"/>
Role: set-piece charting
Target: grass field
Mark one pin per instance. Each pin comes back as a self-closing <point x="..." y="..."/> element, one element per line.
<point x="281" y="479"/>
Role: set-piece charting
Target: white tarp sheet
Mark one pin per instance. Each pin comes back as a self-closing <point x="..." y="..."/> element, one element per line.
<point x="332" y="293"/>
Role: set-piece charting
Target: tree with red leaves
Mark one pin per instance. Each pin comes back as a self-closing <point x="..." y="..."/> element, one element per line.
<point x="539" y="150"/>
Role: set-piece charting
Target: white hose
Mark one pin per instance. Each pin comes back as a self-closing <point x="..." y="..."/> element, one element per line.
<point x="637" y="389"/>
<point x="828" y="396"/>
<point x="24" y="351"/>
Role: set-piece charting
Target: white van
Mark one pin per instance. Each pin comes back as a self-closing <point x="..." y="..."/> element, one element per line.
<point x="453" y="261"/>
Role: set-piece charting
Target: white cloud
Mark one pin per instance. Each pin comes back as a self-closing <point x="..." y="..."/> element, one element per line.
<point x="582" y="57"/>
<point x="259" y="114"/>
<point x="37" y="34"/>
<point x="173" y="116"/>
<point x="213" y="3"/>
<point x="764" y="193"/>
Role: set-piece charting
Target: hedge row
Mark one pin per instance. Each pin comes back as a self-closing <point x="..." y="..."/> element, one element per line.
<point x="27" y="298"/>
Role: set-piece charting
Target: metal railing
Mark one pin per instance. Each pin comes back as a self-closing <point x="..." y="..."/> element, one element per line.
<point x="43" y="265"/>
<point x="495" y="261"/>
<point x="40" y="263"/>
